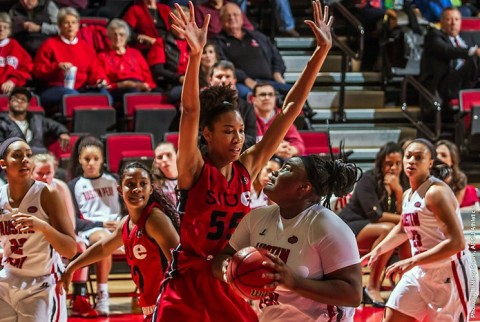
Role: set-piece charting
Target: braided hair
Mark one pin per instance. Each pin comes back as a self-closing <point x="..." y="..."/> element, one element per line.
<point x="329" y="177"/>
<point x="157" y="196"/>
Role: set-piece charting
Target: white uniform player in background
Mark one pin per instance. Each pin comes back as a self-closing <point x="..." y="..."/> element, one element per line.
<point x="35" y="232"/>
<point x="312" y="249"/>
<point x="440" y="280"/>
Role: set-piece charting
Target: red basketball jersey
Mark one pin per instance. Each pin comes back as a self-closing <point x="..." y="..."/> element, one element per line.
<point x="144" y="259"/>
<point x="213" y="208"/>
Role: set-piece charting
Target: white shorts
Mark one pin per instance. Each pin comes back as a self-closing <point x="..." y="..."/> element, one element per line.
<point x="31" y="299"/>
<point x="285" y="312"/>
<point x="444" y="293"/>
<point x="85" y="235"/>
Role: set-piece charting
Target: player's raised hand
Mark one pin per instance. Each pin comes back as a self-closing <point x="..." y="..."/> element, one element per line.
<point x="321" y="25"/>
<point x="195" y="36"/>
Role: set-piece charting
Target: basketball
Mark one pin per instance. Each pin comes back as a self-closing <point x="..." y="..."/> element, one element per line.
<point x="245" y="270"/>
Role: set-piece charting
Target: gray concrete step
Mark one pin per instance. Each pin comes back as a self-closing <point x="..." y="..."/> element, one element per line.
<point x="296" y="63"/>
<point x="335" y="77"/>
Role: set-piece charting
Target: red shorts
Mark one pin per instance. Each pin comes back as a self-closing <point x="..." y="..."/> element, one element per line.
<point x="194" y="294"/>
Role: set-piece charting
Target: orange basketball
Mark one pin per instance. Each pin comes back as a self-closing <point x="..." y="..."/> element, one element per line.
<point x="245" y="270"/>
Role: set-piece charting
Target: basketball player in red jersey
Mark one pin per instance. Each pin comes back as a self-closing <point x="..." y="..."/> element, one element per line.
<point x="149" y="230"/>
<point x="216" y="185"/>
<point x="440" y="280"/>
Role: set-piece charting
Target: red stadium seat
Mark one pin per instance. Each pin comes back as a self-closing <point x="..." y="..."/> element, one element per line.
<point x="97" y="21"/>
<point x="171" y="137"/>
<point x="88" y="113"/>
<point x="149" y="112"/>
<point x="470" y="24"/>
<point x="129" y="147"/>
<point x="63" y="155"/>
<point x="316" y="142"/>
<point x="35" y="106"/>
<point x="468" y="99"/>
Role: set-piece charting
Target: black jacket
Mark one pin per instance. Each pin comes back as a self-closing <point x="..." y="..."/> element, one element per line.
<point x="270" y="52"/>
<point x="44" y="130"/>
<point x="439" y="56"/>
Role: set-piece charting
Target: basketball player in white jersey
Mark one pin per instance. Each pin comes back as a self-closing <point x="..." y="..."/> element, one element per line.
<point x="34" y="233"/>
<point x="313" y="250"/>
<point x="440" y="280"/>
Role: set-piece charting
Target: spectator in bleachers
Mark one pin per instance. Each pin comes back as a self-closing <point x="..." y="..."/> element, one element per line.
<point x="37" y="130"/>
<point x="223" y="73"/>
<point x="78" y="5"/>
<point x="466" y="195"/>
<point x="264" y="101"/>
<point x="450" y="59"/>
<point x="375" y="208"/>
<point x="149" y="22"/>
<point x="168" y="60"/>
<point x="17" y="64"/>
<point x="125" y="67"/>
<point x="432" y="10"/>
<point x="55" y="59"/>
<point x="210" y="56"/>
<point x="252" y="53"/>
<point x="370" y="13"/>
<point x="257" y="197"/>
<point x="97" y="208"/>
<point x="164" y="170"/>
<point x="212" y="7"/>
<point x="44" y="170"/>
<point x="33" y="22"/>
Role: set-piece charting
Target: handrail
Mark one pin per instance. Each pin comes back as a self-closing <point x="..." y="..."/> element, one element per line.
<point x="433" y="101"/>
<point x="340" y="115"/>
<point x="355" y="23"/>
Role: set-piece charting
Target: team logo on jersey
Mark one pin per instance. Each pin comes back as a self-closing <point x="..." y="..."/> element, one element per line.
<point x="293" y="239"/>
<point x="139" y="233"/>
<point x="32" y="209"/>
<point x="139" y="251"/>
<point x="417" y="204"/>
<point x="263" y="232"/>
<point x="244" y="180"/>
<point x="245" y="198"/>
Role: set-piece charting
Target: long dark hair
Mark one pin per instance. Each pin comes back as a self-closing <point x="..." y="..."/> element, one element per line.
<point x="459" y="179"/>
<point x="75" y="168"/>
<point x="157" y="196"/>
<point x="385" y="150"/>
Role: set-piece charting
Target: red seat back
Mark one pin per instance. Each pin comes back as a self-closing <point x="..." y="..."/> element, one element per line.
<point x="316" y="142"/>
<point x="118" y="144"/>
<point x="83" y="101"/>
<point x="468" y="99"/>
<point x="34" y="107"/>
<point x="470" y="24"/>
<point x="172" y="137"/>
<point x="146" y="100"/>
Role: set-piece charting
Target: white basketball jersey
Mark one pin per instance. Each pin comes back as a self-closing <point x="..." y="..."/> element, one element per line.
<point x="420" y="224"/>
<point x="26" y="253"/>
<point x="314" y="243"/>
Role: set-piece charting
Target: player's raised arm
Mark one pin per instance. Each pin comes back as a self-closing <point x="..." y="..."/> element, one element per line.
<point x="255" y="157"/>
<point x="189" y="159"/>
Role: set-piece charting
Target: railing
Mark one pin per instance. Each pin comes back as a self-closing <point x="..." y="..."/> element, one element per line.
<point x="347" y="52"/>
<point x="432" y="102"/>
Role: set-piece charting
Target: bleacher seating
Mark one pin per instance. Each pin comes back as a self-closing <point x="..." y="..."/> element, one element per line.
<point x="88" y="113"/>
<point x="35" y="106"/>
<point x="127" y="147"/>
<point x="171" y="137"/>
<point x="149" y="112"/>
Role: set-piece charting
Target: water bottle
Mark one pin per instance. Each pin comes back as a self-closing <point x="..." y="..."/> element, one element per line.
<point x="70" y="76"/>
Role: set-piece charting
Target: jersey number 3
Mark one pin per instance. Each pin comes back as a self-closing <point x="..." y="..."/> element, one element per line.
<point x="218" y="221"/>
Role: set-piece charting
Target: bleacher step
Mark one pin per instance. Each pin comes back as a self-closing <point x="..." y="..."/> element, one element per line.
<point x="353" y="99"/>
<point x="335" y="77"/>
<point x="371" y="114"/>
<point x="296" y="63"/>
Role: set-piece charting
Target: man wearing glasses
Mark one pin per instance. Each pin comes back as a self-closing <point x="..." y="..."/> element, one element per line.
<point x="264" y="101"/>
<point x="34" y="128"/>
